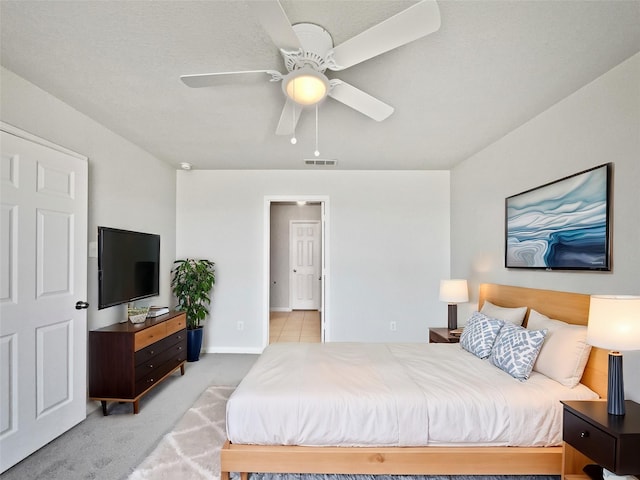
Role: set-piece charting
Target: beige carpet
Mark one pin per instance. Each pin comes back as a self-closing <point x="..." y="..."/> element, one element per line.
<point x="191" y="450"/>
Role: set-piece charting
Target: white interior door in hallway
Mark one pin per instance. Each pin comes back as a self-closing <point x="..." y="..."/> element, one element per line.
<point x="306" y="268"/>
<point x="43" y="260"/>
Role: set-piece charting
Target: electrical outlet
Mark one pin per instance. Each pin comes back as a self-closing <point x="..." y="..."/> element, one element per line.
<point x="240" y="325"/>
<point x="392" y="326"/>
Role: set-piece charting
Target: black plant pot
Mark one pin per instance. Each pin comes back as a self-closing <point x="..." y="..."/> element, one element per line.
<point x="194" y="344"/>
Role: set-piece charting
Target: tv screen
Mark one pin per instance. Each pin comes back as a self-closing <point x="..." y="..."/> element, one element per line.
<point x="128" y="266"/>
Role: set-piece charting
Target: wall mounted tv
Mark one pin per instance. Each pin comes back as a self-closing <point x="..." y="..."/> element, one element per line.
<point x="128" y="266"/>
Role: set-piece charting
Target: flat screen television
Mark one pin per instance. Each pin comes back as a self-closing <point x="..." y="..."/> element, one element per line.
<point x="128" y="266"/>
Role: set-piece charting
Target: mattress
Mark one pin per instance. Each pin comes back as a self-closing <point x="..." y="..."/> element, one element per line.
<point x="358" y="394"/>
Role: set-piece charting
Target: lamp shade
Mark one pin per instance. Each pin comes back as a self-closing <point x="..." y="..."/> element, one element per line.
<point x="454" y="291"/>
<point x="614" y="322"/>
<point x="305" y="86"/>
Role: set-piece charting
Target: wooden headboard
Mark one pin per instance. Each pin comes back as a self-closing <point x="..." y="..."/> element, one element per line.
<point x="566" y="306"/>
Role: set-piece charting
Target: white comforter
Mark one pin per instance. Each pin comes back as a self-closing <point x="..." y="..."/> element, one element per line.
<point x="357" y="394"/>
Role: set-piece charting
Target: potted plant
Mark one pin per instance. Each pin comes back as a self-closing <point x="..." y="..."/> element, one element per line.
<point x="191" y="283"/>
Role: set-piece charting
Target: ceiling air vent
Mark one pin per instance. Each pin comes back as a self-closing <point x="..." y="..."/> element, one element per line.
<point x="327" y="162"/>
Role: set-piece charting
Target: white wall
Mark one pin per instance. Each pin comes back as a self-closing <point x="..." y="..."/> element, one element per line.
<point x="128" y="187"/>
<point x="281" y="217"/>
<point x="388" y="242"/>
<point x="600" y="123"/>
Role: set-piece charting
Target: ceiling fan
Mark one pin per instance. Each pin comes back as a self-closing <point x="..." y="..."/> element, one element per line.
<point x="308" y="51"/>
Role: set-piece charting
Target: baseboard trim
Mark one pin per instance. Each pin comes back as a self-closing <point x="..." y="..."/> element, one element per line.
<point x="280" y="309"/>
<point x="251" y="350"/>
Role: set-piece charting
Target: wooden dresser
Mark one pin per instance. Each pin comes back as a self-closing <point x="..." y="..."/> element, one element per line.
<point x="127" y="360"/>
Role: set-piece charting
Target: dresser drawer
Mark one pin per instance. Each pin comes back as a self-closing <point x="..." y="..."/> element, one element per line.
<point x="179" y="336"/>
<point x="149" y="335"/>
<point x="147" y="353"/>
<point x="176" y="324"/>
<point x="590" y="440"/>
<point x="153" y="363"/>
<point x="151" y="351"/>
<point x="153" y="377"/>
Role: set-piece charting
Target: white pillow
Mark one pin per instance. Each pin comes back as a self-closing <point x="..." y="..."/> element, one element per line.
<point x="565" y="351"/>
<point x="512" y="315"/>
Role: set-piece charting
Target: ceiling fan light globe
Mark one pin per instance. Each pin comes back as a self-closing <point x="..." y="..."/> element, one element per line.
<point x="305" y="86"/>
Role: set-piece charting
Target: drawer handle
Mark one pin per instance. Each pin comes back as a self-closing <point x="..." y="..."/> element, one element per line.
<point x="179" y="337"/>
<point x="584" y="434"/>
<point x="179" y="348"/>
<point x="150" y="365"/>
<point x="151" y="352"/>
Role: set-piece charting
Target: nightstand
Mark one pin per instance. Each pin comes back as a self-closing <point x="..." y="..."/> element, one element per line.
<point x="591" y="435"/>
<point x="442" y="335"/>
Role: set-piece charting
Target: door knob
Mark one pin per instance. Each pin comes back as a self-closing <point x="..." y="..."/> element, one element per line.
<point x="294" y="270"/>
<point x="80" y="305"/>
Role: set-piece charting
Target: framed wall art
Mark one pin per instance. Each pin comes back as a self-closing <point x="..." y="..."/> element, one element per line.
<point x="563" y="225"/>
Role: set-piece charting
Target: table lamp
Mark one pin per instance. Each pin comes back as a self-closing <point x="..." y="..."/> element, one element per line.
<point x="614" y="324"/>
<point x="453" y="292"/>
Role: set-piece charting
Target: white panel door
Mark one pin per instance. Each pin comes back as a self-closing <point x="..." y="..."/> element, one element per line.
<point x="43" y="252"/>
<point x="305" y="251"/>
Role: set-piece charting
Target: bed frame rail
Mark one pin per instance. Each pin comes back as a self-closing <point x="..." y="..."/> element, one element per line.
<point x="391" y="460"/>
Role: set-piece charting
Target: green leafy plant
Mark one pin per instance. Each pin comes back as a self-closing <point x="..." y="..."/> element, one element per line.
<point x="192" y="281"/>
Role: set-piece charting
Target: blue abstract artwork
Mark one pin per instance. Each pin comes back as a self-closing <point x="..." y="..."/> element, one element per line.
<point x="562" y="225"/>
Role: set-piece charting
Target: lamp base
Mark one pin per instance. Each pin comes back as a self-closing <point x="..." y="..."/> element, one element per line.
<point x="453" y="316"/>
<point x="615" y="394"/>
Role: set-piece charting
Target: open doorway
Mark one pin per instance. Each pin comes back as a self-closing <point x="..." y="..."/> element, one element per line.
<point x="296" y="259"/>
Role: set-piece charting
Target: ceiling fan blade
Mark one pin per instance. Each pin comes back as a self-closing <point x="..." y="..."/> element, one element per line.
<point x="358" y="100"/>
<point x="226" y="78"/>
<point x="289" y="118"/>
<point x="411" y="24"/>
<point x="275" y="22"/>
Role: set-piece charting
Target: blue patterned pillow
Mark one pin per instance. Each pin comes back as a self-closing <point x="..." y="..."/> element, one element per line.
<point x="479" y="334"/>
<point x="516" y="349"/>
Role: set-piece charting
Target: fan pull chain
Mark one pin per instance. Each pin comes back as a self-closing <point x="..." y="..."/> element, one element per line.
<point x="294" y="140"/>
<point x="317" y="152"/>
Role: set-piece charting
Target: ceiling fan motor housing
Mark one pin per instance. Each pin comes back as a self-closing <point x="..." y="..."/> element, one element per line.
<point x="316" y="44"/>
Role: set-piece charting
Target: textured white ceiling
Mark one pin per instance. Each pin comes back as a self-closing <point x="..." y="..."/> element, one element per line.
<point x="492" y="66"/>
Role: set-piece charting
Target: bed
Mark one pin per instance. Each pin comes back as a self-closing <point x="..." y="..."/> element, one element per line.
<point x="314" y="448"/>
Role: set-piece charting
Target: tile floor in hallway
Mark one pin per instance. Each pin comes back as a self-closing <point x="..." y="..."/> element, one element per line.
<point x="294" y="326"/>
